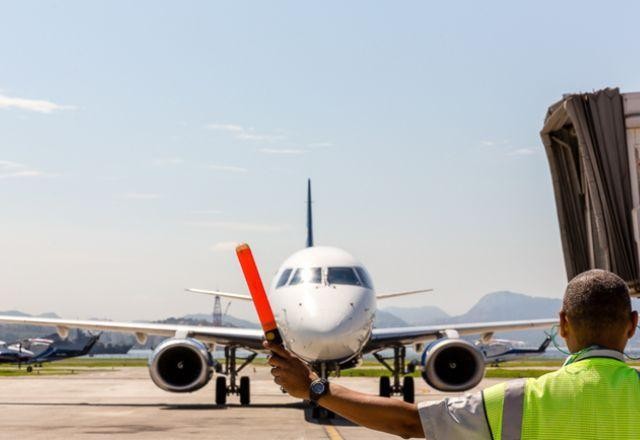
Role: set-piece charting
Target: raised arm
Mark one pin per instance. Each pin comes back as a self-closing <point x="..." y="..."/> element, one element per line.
<point x="379" y="413"/>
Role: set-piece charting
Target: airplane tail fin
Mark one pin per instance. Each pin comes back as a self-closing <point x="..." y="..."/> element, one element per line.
<point x="544" y="345"/>
<point x="309" y="216"/>
<point x="93" y="340"/>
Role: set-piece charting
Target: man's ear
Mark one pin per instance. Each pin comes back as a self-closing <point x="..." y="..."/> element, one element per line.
<point x="634" y="321"/>
<point x="564" y="324"/>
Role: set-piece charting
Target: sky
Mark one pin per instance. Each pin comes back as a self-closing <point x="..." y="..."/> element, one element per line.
<point x="140" y="140"/>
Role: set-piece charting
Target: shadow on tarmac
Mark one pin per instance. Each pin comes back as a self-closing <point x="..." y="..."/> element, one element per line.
<point x="336" y="421"/>
<point x="162" y="406"/>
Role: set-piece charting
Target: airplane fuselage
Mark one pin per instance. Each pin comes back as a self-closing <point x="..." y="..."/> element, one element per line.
<point x="324" y="303"/>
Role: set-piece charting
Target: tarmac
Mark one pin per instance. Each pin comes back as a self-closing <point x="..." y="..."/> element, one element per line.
<point x="124" y="404"/>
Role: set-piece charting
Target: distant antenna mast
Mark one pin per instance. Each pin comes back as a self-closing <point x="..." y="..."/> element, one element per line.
<point x="309" y="216"/>
<point x="217" y="312"/>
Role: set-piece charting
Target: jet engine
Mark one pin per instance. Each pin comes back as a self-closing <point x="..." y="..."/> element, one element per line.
<point x="181" y="365"/>
<point x="452" y="365"/>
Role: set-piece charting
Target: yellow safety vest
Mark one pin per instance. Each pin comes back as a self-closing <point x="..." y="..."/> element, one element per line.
<point x="595" y="395"/>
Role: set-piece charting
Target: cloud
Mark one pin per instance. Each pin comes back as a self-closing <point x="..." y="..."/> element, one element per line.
<point x="320" y="144"/>
<point x="34" y="105"/>
<point x="239" y="226"/>
<point x="245" y="133"/>
<point x="141" y="196"/>
<point x="227" y="168"/>
<point x="493" y="143"/>
<point x="165" y="161"/>
<point x="10" y="170"/>
<point x="233" y="128"/>
<point x="207" y="212"/>
<point x="522" y="152"/>
<point x="282" y="151"/>
<point x="224" y="246"/>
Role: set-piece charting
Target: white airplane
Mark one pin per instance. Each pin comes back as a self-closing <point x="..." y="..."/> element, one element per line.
<point x="496" y="351"/>
<point x="324" y="302"/>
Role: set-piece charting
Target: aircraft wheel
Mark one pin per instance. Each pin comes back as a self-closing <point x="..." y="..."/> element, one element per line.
<point x="385" y="386"/>
<point x="221" y="390"/>
<point x="326" y="414"/>
<point x="408" y="389"/>
<point x="245" y="391"/>
<point x="29" y="369"/>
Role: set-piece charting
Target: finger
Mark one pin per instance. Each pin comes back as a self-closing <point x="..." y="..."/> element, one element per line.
<point x="278" y="380"/>
<point x="276" y="372"/>
<point x="277" y="361"/>
<point x="279" y="350"/>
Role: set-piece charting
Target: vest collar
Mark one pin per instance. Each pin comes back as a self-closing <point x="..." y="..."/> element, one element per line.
<point x="593" y="352"/>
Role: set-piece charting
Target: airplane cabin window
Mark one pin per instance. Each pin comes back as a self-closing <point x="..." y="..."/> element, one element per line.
<point x="312" y="275"/>
<point x="364" y="277"/>
<point x="284" y="278"/>
<point x="342" y="275"/>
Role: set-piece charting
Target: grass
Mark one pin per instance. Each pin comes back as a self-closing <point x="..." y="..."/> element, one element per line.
<point x="100" y="363"/>
<point x="528" y="368"/>
<point x="511" y="373"/>
<point x="71" y="366"/>
<point x="15" y="372"/>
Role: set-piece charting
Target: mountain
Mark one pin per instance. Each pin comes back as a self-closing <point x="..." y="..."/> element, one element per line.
<point x="506" y="306"/>
<point x="495" y="306"/>
<point x="420" y="315"/>
<point x="227" y="320"/>
<point x="384" y="319"/>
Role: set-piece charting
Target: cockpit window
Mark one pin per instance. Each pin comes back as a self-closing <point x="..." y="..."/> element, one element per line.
<point x="342" y="275"/>
<point x="312" y="275"/>
<point x="364" y="277"/>
<point x="284" y="278"/>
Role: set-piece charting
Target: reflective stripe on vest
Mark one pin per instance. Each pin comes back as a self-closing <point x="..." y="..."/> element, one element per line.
<point x="513" y="409"/>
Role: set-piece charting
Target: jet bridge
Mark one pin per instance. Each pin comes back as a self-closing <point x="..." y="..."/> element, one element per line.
<point x="592" y="141"/>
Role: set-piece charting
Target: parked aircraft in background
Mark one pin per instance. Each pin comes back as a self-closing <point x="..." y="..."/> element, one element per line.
<point x="38" y="351"/>
<point x="324" y="302"/>
<point x="496" y="351"/>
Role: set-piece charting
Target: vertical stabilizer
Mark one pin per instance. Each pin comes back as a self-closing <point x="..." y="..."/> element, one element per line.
<point x="309" y="216"/>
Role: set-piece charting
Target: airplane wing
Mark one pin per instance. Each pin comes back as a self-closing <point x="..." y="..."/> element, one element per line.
<point x="386" y="337"/>
<point x="223" y="294"/>
<point x="250" y="338"/>
<point x="394" y="294"/>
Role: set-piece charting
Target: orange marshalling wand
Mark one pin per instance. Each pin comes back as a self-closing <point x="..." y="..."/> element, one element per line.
<point x="258" y="294"/>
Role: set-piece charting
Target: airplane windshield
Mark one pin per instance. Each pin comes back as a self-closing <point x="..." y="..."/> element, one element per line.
<point x="342" y="275"/>
<point x="312" y="275"/>
<point x="284" y="278"/>
<point x="364" y="277"/>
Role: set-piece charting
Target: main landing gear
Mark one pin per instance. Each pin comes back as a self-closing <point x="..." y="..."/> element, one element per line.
<point x="232" y="369"/>
<point x="406" y="389"/>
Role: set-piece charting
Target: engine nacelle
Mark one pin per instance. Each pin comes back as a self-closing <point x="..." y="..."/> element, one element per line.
<point x="181" y="365"/>
<point x="452" y="365"/>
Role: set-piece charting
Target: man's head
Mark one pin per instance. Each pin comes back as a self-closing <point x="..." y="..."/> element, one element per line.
<point x="596" y="310"/>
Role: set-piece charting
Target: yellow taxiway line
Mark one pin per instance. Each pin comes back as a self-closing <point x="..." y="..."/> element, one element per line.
<point x="332" y="433"/>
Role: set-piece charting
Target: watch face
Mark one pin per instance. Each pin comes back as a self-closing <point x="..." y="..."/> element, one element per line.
<point x="317" y="388"/>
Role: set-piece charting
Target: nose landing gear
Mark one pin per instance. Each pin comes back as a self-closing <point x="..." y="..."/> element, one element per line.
<point x="318" y="412"/>
<point x="231" y="369"/>
<point x="406" y="389"/>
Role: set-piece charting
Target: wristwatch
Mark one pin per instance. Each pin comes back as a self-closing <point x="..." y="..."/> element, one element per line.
<point x="317" y="389"/>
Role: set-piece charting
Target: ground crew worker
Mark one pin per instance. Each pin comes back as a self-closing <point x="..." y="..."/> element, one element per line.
<point x="595" y="395"/>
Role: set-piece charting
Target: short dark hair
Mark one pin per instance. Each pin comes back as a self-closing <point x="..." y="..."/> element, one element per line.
<point x="597" y="302"/>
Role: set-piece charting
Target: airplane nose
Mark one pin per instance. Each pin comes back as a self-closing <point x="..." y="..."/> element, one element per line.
<point x="327" y="327"/>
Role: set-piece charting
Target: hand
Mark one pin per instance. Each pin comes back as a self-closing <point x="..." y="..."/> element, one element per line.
<point x="293" y="375"/>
